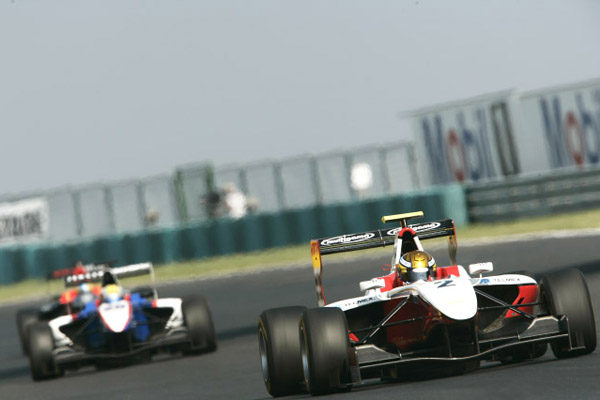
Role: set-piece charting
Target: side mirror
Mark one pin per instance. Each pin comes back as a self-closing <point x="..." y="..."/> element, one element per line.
<point x="372" y="284"/>
<point x="480" y="268"/>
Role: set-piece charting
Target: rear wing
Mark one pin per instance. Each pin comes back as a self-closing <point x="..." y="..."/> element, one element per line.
<point x="78" y="269"/>
<point x="95" y="275"/>
<point x="378" y="238"/>
<point x="382" y="237"/>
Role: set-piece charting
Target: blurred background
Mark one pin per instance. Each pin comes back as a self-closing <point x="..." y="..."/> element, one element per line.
<point x="168" y="131"/>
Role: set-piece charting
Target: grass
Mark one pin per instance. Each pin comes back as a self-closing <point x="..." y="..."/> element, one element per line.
<point x="301" y="253"/>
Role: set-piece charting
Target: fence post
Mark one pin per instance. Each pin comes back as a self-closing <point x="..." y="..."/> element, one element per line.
<point x="141" y="203"/>
<point x="279" y="186"/>
<point x="109" y="202"/>
<point x="179" y="193"/>
<point x="76" y="196"/>
<point x="314" y="169"/>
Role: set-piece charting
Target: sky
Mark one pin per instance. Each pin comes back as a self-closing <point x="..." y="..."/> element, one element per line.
<point x="109" y="90"/>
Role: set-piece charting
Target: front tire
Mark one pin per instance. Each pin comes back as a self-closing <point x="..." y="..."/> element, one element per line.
<point x="325" y="350"/>
<point x="198" y="320"/>
<point x="25" y="318"/>
<point x="41" y="359"/>
<point x="566" y="293"/>
<point x="279" y="347"/>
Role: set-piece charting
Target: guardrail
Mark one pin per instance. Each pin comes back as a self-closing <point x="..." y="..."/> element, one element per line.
<point x="561" y="191"/>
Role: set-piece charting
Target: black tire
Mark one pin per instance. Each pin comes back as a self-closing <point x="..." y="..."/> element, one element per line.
<point x="279" y="349"/>
<point x="325" y="350"/>
<point x="25" y="318"/>
<point x="566" y="293"/>
<point x="198" y="320"/>
<point x="41" y="360"/>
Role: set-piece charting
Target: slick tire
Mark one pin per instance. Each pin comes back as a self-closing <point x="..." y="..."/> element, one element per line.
<point x="41" y="359"/>
<point x="25" y="318"/>
<point x="566" y="293"/>
<point x="279" y="349"/>
<point x="198" y="320"/>
<point x="325" y="350"/>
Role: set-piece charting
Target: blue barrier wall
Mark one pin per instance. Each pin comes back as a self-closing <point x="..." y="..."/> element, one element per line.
<point x="228" y="236"/>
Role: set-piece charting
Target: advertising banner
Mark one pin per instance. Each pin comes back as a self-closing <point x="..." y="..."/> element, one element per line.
<point x="560" y="127"/>
<point x="466" y="141"/>
<point x="23" y="219"/>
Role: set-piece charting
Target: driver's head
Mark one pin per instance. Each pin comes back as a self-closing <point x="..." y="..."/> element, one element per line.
<point x="416" y="265"/>
<point x="111" y="293"/>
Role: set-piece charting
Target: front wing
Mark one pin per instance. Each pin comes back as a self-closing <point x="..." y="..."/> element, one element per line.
<point x="541" y="330"/>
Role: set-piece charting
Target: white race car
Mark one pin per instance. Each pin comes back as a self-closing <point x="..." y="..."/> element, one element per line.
<point x="118" y="326"/>
<point x="420" y="318"/>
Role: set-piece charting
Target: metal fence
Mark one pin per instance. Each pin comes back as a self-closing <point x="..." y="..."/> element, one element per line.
<point x="271" y="186"/>
<point x="304" y="181"/>
<point x="562" y="191"/>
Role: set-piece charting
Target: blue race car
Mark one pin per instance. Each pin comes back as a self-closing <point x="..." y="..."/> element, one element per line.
<point x="119" y="327"/>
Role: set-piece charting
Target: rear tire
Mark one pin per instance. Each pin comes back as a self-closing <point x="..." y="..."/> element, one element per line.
<point x="279" y="348"/>
<point x="325" y="350"/>
<point x="41" y="359"/>
<point x="198" y="320"/>
<point x="25" y="318"/>
<point x="566" y="293"/>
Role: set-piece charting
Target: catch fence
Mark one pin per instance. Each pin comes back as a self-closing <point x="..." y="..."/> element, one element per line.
<point x="163" y="201"/>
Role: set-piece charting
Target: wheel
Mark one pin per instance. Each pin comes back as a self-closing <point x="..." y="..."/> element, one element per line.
<point x="566" y="293"/>
<point x="279" y="348"/>
<point x="41" y="360"/>
<point x="198" y="320"/>
<point x="25" y="318"/>
<point x="325" y="350"/>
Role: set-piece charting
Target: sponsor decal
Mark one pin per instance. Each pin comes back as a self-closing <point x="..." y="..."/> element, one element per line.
<point x="24" y="219"/>
<point x="347" y="239"/>
<point x="458" y="144"/>
<point x="416" y="228"/>
<point x="365" y="301"/>
<point x="425" y="227"/>
<point x="571" y="123"/>
<point x="88" y="276"/>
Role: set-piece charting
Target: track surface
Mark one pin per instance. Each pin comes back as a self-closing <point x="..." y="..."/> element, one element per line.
<point x="233" y="372"/>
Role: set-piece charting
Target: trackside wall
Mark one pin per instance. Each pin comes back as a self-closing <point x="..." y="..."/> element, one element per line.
<point x="228" y="236"/>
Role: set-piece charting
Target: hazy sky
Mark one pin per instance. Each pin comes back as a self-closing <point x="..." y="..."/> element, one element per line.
<point x="103" y="90"/>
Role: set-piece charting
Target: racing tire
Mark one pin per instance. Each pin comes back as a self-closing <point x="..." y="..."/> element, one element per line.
<point x="566" y="293"/>
<point x="41" y="359"/>
<point x="325" y="350"/>
<point x="279" y="349"/>
<point x="25" y="318"/>
<point x="198" y="320"/>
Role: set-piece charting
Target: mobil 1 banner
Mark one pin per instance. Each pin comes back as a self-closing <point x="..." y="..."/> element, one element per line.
<point x="24" y="219"/>
<point x="471" y="140"/>
<point x="563" y="124"/>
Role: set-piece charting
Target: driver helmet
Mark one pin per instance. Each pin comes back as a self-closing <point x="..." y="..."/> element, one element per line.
<point x="112" y="293"/>
<point x="416" y="265"/>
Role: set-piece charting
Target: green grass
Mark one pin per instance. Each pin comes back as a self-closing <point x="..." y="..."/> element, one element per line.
<point x="301" y="254"/>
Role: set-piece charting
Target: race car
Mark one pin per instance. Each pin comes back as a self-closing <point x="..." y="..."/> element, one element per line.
<point x="69" y="301"/>
<point x="421" y="319"/>
<point x="119" y="327"/>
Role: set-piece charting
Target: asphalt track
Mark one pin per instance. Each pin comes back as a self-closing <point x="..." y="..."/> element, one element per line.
<point x="233" y="372"/>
